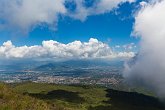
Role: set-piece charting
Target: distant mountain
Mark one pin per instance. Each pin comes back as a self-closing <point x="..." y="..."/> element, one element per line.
<point x="77" y="64"/>
<point x="20" y="65"/>
<point x="52" y="65"/>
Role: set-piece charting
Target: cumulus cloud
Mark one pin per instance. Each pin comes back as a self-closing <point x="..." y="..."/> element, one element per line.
<point x="148" y="68"/>
<point x="55" y="50"/>
<point x="25" y="15"/>
<point x="98" y="7"/>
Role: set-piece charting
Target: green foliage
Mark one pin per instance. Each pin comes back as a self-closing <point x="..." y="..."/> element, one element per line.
<point x="10" y="100"/>
<point x="70" y="97"/>
<point x="40" y="96"/>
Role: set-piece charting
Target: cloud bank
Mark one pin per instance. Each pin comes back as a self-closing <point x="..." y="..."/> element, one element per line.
<point x="148" y="68"/>
<point x="24" y="15"/>
<point x="54" y="50"/>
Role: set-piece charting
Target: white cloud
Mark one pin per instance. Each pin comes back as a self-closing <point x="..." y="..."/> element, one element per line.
<point x="149" y="67"/>
<point x="99" y="7"/>
<point x="55" y="50"/>
<point x="117" y="46"/>
<point x="143" y="3"/>
<point x="126" y="47"/>
<point x="25" y="15"/>
<point x="129" y="46"/>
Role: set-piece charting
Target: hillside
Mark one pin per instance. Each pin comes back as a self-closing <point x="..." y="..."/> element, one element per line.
<point x="33" y="96"/>
<point x="10" y="100"/>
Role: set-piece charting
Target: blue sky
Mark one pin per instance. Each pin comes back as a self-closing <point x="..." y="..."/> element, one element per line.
<point x="117" y="27"/>
<point x="112" y="26"/>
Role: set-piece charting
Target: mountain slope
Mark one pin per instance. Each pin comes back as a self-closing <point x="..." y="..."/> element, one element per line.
<point x="88" y="97"/>
<point x="10" y="100"/>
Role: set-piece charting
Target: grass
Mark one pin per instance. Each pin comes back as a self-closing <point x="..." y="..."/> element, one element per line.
<point x="10" y="100"/>
<point x="71" y="97"/>
<point x="64" y="97"/>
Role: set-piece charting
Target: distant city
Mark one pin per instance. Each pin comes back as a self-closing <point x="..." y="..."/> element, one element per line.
<point x="105" y="76"/>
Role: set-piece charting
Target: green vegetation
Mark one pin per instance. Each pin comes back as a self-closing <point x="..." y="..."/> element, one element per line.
<point x="34" y="96"/>
<point x="10" y="100"/>
<point x="70" y="97"/>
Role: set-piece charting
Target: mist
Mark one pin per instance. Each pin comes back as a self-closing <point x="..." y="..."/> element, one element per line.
<point x="148" y="67"/>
